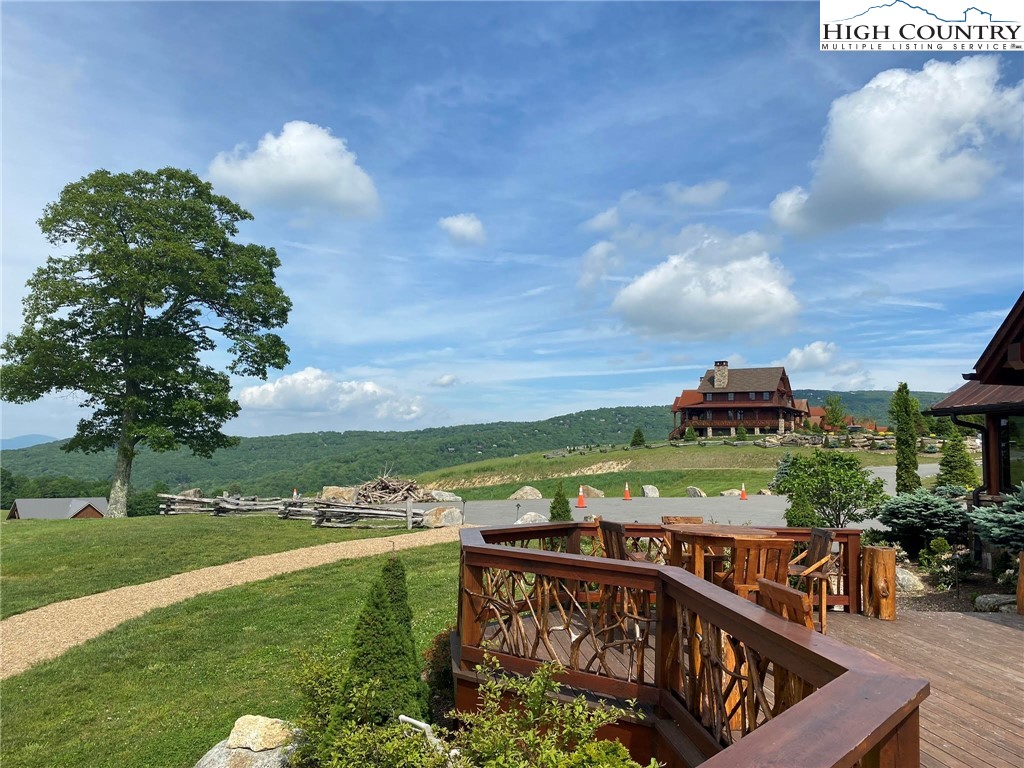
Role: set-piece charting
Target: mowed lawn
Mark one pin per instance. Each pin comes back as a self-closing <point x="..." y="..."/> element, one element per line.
<point x="160" y="690"/>
<point x="45" y="561"/>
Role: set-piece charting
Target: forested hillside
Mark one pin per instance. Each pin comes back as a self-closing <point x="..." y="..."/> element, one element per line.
<point x="275" y="465"/>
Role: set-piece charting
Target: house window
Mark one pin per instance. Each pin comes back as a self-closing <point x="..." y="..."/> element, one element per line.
<point x="739" y="415"/>
<point x="1012" y="450"/>
<point x="766" y="395"/>
<point x="707" y="397"/>
<point x="732" y="396"/>
<point x="753" y="395"/>
<point x="708" y="415"/>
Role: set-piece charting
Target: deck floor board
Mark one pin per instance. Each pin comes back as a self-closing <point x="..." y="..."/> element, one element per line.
<point x="975" y="664"/>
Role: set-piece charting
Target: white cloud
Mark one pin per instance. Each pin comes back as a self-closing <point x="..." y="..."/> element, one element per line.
<point x="305" y="167"/>
<point x="598" y="259"/>
<point x="312" y="390"/>
<point x="817" y="354"/>
<point x="708" y="193"/>
<point x="464" y="229"/>
<point x="720" y="286"/>
<point x="906" y="137"/>
<point x="445" y="380"/>
<point x="605" y="221"/>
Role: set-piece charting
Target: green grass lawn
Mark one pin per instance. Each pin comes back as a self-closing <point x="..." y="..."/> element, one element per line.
<point x="45" y="561"/>
<point x="669" y="483"/>
<point x="161" y="690"/>
<point x="713" y="468"/>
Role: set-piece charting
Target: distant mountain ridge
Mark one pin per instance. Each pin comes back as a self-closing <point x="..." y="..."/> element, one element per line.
<point x="274" y="465"/>
<point x="24" y="441"/>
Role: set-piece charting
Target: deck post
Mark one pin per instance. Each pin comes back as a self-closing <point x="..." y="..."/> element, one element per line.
<point x="1020" y="583"/>
<point x="853" y="574"/>
<point x="666" y="660"/>
<point x="901" y="748"/>
<point x="470" y="583"/>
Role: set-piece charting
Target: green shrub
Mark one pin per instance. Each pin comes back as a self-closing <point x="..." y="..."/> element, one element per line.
<point x="542" y="732"/>
<point x="949" y="491"/>
<point x="801" y="514"/>
<point x="383" y="649"/>
<point x="438" y="675"/>
<point x="916" y="517"/>
<point x="1002" y="526"/>
<point x="946" y="564"/>
<point x="559" y="509"/>
<point x="835" y="484"/>
<point x="956" y="466"/>
<point x="690" y="435"/>
<point x="638" y="441"/>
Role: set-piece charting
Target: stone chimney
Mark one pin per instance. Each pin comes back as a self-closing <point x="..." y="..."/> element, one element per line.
<point x="721" y="374"/>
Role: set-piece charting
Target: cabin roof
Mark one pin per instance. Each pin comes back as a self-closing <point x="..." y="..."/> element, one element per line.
<point x="56" y="509"/>
<point x="744" y="380"/>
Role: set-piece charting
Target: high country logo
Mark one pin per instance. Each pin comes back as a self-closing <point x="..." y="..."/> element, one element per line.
<point x="945" y="25"/>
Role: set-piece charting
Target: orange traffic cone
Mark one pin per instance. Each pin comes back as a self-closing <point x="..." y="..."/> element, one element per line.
<point x="625" y="495"/>
<point x="580" y="503"/>
<point x="743" y="491"/>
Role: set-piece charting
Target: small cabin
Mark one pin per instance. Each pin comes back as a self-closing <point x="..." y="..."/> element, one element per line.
<point x="57" y="509"/>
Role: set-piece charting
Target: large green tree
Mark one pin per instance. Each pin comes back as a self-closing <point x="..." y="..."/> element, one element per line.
<point x="957" y="466"/>
<point x="904" y="414"/>
<point x="835" y="412"/>
<point x="835" y="486"/>
<point x="153" y="280"/>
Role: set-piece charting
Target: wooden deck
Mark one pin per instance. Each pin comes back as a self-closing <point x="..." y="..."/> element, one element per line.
<point x="974" y="716"/>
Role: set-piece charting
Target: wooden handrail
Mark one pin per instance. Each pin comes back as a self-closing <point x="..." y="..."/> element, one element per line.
<point x="516" y="602"/>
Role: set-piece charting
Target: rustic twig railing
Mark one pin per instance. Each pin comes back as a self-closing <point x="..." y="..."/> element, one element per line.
<point x="703" y="660"/>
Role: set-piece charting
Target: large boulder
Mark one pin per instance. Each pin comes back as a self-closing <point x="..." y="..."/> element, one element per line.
<point x="589" y="492"/>
<point x="531" y="517"/>
<point x="993" y="602"/>
<point x="255" y="742"/>
<point x="731" y="492"/>
<point x="908" y="582"/>
<point x="526" y="492"/>
<point x="191" y="493"/>
<point x="765" y="492"/>
<point x="442" y="517"/>
<point x="650" y="491"/>
<point x="695" y="493"/>
<point x="445" y="496"/>
<point x="338" y="493"/>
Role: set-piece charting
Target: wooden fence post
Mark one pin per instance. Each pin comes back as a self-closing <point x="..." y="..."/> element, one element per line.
<point x="1020" y="583"/>
<point x="408" y="514"/>
<point x="879" y="579"/>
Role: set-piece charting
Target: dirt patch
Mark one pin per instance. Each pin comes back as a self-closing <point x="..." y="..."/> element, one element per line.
<point x="935" y="598"/>
<point x="601" y="468"/>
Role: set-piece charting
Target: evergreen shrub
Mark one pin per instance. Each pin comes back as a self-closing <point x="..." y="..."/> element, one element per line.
<point x="1002" y="526"/>
<point x="917" y="517"/>
<point x="559" y="510"/>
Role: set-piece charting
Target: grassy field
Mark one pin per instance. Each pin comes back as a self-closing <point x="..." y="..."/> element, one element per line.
<point x="717" y="466"/>
<point x="45" y="561"/>
<point x="161" y="690"/>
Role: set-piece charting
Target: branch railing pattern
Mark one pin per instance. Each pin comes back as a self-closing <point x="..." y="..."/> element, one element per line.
<point x="720" y="667"/>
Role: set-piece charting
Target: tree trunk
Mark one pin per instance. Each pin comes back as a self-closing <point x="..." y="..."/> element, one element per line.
<point x="117" y="506"/>
<point x="879" y="579"/>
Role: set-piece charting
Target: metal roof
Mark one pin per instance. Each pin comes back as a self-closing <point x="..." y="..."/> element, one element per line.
<point x="56" y="509"/>
<point x="975" y="397"/>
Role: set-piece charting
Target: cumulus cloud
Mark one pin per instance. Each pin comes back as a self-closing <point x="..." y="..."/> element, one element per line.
<point x="464" y="229"/>
<point x="605" y="221"/>
<point x="446" y="380"/>
<point x="305" y="167"/>
<point x="708" y="193"/>
<point x="312" y="390"/>
<point x="597" y="261"/>
<point x="722" y="285"/>
<point x="906" y="137"/>
<point x="817" y="354"/>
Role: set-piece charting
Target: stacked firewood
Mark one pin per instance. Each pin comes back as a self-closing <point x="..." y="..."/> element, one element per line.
<point x="389" y="490"/>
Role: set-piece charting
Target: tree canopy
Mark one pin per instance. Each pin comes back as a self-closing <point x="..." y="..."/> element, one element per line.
<point x="835" y="486"/>
<point x="904" y="414"/>
<point x="835" y="412"/>
<point x="154" y="280"/>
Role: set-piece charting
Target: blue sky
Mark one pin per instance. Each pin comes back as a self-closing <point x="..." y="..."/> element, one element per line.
<point x="490" y="211"/>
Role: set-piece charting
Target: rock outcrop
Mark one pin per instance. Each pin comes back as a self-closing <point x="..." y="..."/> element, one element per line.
<point x="526" y="492"/>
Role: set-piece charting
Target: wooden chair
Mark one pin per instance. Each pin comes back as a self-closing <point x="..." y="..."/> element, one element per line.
<point x="781" y="599"/>
<point x="815" y="566"/>
<point x="754" y="559"/>
<point x="613" y="537"/>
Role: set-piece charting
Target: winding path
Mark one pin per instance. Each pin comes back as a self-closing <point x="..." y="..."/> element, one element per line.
<point x="45" y="633"/>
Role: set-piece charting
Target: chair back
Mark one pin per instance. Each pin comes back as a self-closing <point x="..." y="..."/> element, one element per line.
<point x="819" y="548"/>
<point x="681" y="520"/>
<point x="754" y="559"/>
<point x="613" y="536"/>
<point x="783" y="600"/>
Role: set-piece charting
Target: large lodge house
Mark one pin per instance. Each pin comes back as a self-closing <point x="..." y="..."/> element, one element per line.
<point x="757" y="399"/>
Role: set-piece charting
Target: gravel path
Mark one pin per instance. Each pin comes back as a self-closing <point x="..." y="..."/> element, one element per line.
<point x="45" y="633"/>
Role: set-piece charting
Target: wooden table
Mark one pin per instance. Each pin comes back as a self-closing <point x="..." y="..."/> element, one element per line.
<point x="700" y="537"/>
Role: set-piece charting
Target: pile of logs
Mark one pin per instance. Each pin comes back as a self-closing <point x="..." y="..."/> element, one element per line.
<point x="389" y="490"/>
